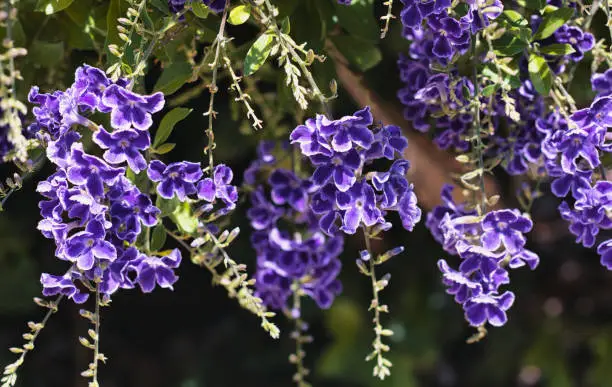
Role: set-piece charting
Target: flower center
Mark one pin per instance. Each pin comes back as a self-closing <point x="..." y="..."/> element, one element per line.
<point x="502" y="226"/>
<point x="93" y="169"/>
<point x="577" y="141"/>
<point x="337" y="160"/>
<point x="123" y="144"/>
<point x="573" y="41"/>
<point x="359" y="203"/>
<point x="173" y="175"/>
<point x="89" y="243"/>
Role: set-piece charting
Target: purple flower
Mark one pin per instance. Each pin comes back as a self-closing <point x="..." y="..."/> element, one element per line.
<point x="124" y="145"/>
<point x="605" y="250"/>
<point x="91" y="83"/>
<point x="310" y="139"/>
<point x="340" y="168"/>
<point x="84" y="247"/>
<point x="415" y="11"/>
<point x="219" y="187"/>
<point x="388" y="141"/>
<point x="458" y="284"/>
<point x="505" y="227"/>
<point x="92" y="172"/>
<point x="599" y="116"/>
<point x="348" y="130"/>
<point x="488" y="308"/>
<point x="579" y="144"/>
<point x="262" y="213"/>
<point x="580" y="41"/>
<point x="359" y="204"/>
<point x="290" y="189"/>
<point x="175" y="178"/>
<point x="602" y="83"/>
<point x="59" y="151"/>
<point x="55" y="284"/>
<point x="129" y="211"/>
<point x="157" y="270"/>
<point x="589" y="213"/>
<point x="437" y="214"/>
<point x="131" y="109"/>
<point x="450" y="36"/>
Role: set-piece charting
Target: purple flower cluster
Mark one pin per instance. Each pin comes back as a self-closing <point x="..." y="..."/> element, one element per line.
<point x="442" y="35"/>
<point x="340" y="150"/>
<point x="304" y="259"/>
<point x="488" y="246"/>
<point x="92" y="211"/>
<point x="572" y="148"/>
<point x="438" y="100"/>
<point x="522" y="131"/>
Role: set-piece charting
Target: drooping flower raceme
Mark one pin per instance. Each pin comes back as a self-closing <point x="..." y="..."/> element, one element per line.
<point x="92" y="211"/>
<point x="301" y="260"/>
<point x="340" y="151"/>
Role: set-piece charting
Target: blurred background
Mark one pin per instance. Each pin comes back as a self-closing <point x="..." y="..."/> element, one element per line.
<point x="559" y="331"/>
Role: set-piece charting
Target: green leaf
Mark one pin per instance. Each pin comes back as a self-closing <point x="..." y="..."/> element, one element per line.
<point x="359" y="19"/>
<point x="258" y="53"/>
<point x="164" y="148"/>
<point x="239" y="15"/>
<point x="184" y="219"/>
<point x="286" y="26"/>
<point x="140" y="180"/>
<point x="515" y="18"/>
<point x="158" y="237"/>
<point x="361" y="54"/>
<point x="552" y="21"/>
<point x="557" y="49"/>
<point x="173" y="77"/>
<point x="509" y="45"/>
<point x="200" y="10"/>
<point x="489" y="90"/>
<point x="46" y="54"/>
<point x="166" y="126"/>
<point x="167" y="206"/>
<point x="540" y="74"/>
<point x="52" y="6"/>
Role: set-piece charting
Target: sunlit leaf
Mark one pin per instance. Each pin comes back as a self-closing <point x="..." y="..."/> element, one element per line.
<point x="258" y="53"/>
<point x="552" y="21"/>
<point x="540" y="74"/>
<point x="239" y="15"/>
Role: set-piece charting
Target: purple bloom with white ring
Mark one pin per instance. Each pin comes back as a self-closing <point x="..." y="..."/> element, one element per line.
<point x="219" y="187"/>
<point x="340" y="168"/>
<point x="488" y="308"/>
<point x="175" y="178"/>
<point x="505" y="227"/>
<point x="349" y="131"/>
<point x="152" y="271"/>
<point x="91" y="171"/>
<point x="359" y="205"/>
<point x="124" y="146"/>
<point x="84" y="247"/>
<point x="129" y="109"/>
